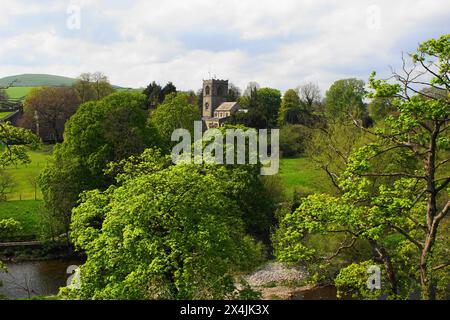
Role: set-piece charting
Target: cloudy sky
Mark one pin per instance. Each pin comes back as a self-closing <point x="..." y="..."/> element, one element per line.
<point x="277" y="43"/>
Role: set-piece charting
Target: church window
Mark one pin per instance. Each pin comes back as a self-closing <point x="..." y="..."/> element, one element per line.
<point x="207" y="90"/>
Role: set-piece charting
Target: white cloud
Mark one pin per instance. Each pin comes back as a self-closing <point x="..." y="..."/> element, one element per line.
<point x="296" y="41"/>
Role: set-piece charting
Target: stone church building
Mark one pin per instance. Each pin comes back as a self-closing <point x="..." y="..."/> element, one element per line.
<point x="216" y="108"/>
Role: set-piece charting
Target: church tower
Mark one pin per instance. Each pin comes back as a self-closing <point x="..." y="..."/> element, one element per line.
<point x="215" y="93"/>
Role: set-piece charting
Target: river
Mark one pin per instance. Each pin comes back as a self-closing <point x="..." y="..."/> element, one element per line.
<point x="44" y="278"/>
<point x="34" y="278"/>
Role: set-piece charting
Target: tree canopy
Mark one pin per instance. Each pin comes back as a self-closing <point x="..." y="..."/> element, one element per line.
<point x="164" y="232"/>
<point x="345" y="97"/>
<point x="175" y="113"/>
<point x="49" y="108"/>
<point x="99" y="132"/>
<point x="394" y="190"/>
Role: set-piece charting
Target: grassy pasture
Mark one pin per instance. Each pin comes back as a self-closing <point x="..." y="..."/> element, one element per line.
<point x="18" y="92"/>
<point x="300" y="174"/>
<point x="4" y="114"/>
<point x="25" y="176"/>
<point x="27" y="213"/>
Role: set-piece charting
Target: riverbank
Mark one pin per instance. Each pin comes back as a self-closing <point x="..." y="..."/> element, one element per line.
<point x="276" y="281"/>
<point x="36" y="251"/>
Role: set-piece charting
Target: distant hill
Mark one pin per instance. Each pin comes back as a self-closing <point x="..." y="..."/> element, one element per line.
<point x="36" y="80"/>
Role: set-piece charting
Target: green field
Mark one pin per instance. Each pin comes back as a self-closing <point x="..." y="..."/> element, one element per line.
<point x="18" y="92"/>
<point x="300" y="174"/>
<point x="25" y="175"/>
<point x="27" y="213"/>
<point x="4" y="114"/>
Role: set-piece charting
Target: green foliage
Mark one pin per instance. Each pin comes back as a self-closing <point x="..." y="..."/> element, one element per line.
<point x="438" y="48"/>
<point x="262" y="107"/>
<point x="157" y="94"/>
<point x="380" y="108"/>
<point x="352" y="281"/>
<point x="99" y="132"/>
<point x="9" y="227"/>
<point x="329" y="148"/>
<point x="393" y="193"/>
<point x="163" y="232"/>
<point x="293" y="139"/>
<point x="27" y="213"/>
<point x="345" y="98"/>
<point x="269" y="101"/>
<point x="17" y="142"/>
<point x="290" y="108"/>
<point x="92" y="87"/>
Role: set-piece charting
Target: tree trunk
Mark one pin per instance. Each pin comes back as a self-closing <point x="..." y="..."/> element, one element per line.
<point x="387" y="262"/>
<point x="432" y="223"/>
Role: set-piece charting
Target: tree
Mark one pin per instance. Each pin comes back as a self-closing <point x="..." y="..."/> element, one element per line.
<point x="92" y="86"/>
<point x="310" y="101"/>
<point x="175" y="113"/>
<point x="261" y="107"/>
<point x="290" y="108"/>
<point x="153" y="93"/>
<point x="3" y="96"/>
<point x="395" y="190"/>
<point x="5" y="100"/>
<point x="99" y="132"/>
<point x="309" y="95"/>
<point x="6" y="184"/>
<point x="166" y="90"/>
<point x="83" y="87"/>
<point x="329" y="147"/>
<point x="164" y="232"/>
<point x="252" y="86"/>
<point x="254" y="116"/>
<point x="380" y="108"/>
<point x="269" y="101"/>
<point x="293" y="139"/>
<point x="345" y="97"/>
<point x="234" y="93"/>
<point x="157" y="94"/>
<point x="200" y="100"/>
<point x="48" y="108"/>
<point x="17" y="142"/>
<point x="101" y="85"/>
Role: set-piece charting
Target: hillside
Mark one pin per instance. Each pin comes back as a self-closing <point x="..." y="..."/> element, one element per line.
<point x="20" y="85"/>
<point x="36" y="80"/>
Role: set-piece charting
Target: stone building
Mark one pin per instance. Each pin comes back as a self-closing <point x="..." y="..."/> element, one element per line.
<point x="216" y="108"/>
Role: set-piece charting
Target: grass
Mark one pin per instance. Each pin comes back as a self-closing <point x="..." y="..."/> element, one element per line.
<point x="27" y="213"/>
<point x="18" y="92"/>
<point x="4" y="114"/>
<point x="25" y="175"/>
<point x="24" y="203"/>
<point x="300" y="174"/>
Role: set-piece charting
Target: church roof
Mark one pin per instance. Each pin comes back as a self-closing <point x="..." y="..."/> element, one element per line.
<point x="226" y="106"/>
